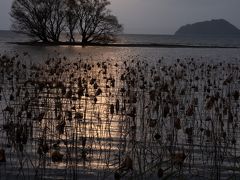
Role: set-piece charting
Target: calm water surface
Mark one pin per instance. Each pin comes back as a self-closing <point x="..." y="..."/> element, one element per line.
<point x="121" y="53"/>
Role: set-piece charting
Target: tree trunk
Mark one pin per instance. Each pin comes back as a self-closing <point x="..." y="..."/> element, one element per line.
<point x="84" y="40"/>
<point x="45" y="40"/>
<point x="72" y="39"/>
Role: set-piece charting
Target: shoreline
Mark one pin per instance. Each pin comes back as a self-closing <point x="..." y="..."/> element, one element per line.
<point x="151" y="45"/>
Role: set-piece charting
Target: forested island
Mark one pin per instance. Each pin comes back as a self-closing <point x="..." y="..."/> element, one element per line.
<point x="218" y="27"/>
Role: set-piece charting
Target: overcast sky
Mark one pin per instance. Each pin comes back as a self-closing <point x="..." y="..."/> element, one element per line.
<point x="158" y="16"/>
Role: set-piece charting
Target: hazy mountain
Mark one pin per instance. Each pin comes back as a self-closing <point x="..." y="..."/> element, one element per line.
<point x="218" y="27"/>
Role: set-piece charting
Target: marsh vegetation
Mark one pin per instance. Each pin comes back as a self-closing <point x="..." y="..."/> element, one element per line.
<point x="72" y="119"/>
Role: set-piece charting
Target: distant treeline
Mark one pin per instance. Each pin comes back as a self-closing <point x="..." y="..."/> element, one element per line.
<point x="46" y="20"/>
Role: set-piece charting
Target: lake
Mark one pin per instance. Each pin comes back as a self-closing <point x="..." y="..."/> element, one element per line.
<point x="149" y="54"/>
<point x="120" y="113"/>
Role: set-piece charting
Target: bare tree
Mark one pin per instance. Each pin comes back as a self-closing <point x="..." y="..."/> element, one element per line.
<point x="56" y="17"/>
<point x="96" y="24"/>
<point x="106" y="30"/>
<point x="30" y="17"/>
<point x="71" y="18"/>
<point x="42" y="19"/>
<point x="47" y="19"/>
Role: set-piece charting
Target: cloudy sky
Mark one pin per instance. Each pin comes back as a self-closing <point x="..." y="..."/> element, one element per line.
<point x="158" y="16"/>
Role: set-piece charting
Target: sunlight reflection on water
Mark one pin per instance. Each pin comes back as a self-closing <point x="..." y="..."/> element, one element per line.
<point x="39" y="54"/>
<point x="92" y="118"/>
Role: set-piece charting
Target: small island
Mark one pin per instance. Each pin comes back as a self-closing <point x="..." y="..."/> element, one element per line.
<point x="216" y="27"/>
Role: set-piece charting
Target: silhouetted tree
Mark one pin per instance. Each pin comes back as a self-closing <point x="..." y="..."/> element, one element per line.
<point x="30" y="17"/>
<point x="47" y="19"/>
<point x="43" y="19"/>
<point x="71" y="18"/>
<point x="56" y="17"/>
<point x="96" y="24"/>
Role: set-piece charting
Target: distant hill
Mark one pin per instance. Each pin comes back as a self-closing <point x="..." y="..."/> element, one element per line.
<point x="217" y="27"/>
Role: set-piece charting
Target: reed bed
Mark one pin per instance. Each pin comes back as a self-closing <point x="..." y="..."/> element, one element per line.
<point x="102" y="119"/>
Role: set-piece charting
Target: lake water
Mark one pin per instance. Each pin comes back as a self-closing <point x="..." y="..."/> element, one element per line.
<point x="111" y="112"/>
<point x="119" y="53"/>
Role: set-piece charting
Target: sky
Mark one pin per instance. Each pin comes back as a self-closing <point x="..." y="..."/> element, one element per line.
<point x="157" y="16"/>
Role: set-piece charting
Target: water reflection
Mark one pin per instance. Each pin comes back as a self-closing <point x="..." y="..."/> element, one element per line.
<point x="104" y="117"/>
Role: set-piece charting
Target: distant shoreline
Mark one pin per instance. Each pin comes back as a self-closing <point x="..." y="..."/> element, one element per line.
<point x="147" y="45"/>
